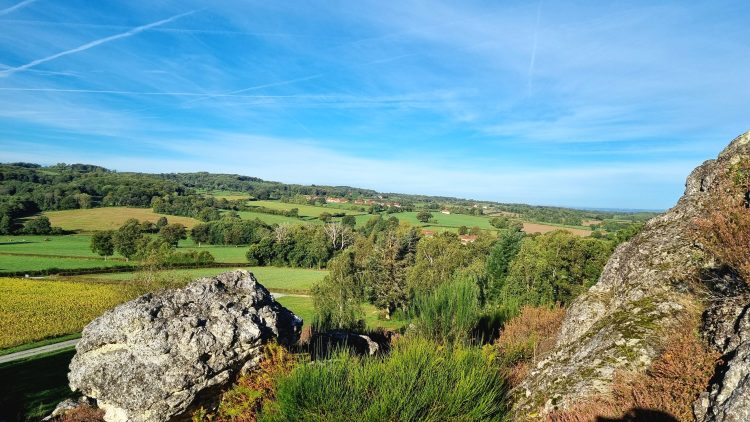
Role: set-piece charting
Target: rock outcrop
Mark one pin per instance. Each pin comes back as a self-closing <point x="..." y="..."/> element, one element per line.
<point x="146" y="360"/>
<point x="645" y="288"/>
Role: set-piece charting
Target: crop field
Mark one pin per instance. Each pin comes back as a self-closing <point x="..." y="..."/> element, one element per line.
<point x="13" y="263"/>
<point x="89" y="220"/>
<point x="33" y="310"/>
<point x="304" y="210"/>
<point x="279" y="279"/>
<point x="545" y="228"/>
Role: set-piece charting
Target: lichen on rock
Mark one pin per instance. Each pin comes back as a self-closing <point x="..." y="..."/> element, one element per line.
<point x="148" y="359"/>
<point x="644" y="290"/>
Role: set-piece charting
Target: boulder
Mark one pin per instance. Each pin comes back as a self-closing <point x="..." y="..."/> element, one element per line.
<point x="645" y="288"/>
<point x="147" y="359"/>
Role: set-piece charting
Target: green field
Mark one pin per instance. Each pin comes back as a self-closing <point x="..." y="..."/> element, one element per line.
<point x="276" y="219"/>
<point x="440" y="220"/>
<point x="107" y="218"/>
<point x="69" y="245"/>
<point x="304" y="210"/>
<point x="10" y="263"/>
<point x="304" y="308"/>
<point x="273" y="278"/>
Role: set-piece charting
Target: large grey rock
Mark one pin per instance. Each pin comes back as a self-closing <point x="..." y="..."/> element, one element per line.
<point x="146" y="360"/>
<point x="644" y="289"/>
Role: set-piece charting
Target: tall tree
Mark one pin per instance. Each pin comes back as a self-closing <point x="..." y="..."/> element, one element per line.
<point x="128" y="238"/>
<point x="102" y="243"/>
<point x="173" y="233"/>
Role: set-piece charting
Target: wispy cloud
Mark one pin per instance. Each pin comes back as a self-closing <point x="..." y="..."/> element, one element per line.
<point x="15" y="7"/>
<point x="532" y="61"/>
<point x="92" y="44"/>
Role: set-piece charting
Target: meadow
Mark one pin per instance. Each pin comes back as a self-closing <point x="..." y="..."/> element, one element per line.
<point x="68" y="245"/>
<point x="277" y="219"/>
<point x="16" y="263"/>
<point x="33" y="310"/>
<point x="109" y="218"/>
<point x="304" y="210"/>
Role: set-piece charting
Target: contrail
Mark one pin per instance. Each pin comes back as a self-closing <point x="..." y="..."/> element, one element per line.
<point x="533" y="48"/>
<point x="92" y="44"/>
<point x="24" y="3"/>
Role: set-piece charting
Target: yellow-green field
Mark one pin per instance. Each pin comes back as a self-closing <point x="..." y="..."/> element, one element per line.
<point x="33" y="310"/>
<point x="108" y="218"/>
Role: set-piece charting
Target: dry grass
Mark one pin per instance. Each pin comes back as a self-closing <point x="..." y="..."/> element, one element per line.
<point x="109" y="218"/>
<point x="666" y="391"/>
<point x="243" y="401"/>
<point x="726" y="231"/>
<point x="527" y="337"/>
<point x="83" y="414"/>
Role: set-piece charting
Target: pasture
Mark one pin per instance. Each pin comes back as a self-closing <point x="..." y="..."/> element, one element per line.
<point x="108" y="218"/>
<point x="16" y="263"/>
<point x="33" y="310"/>
<point x="277" y="219"/>
<point x="68" y="245"/>
<point x="304" y="210"/>
<point x="439" y="220"/>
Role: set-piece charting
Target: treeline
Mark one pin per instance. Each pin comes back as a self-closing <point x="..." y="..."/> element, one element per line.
<point x="132" y="242"/>
<point x="258" y="188"/>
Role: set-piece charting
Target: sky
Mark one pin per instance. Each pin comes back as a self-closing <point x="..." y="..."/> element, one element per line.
<point x="571" y="103"/>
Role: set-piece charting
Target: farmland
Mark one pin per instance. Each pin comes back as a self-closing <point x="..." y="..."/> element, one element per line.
<point x="87" y="220"/>
<point x="304" y="210"/>
<point x="276" y="219"/>
<point x="33" y="310"/>
<point x="16" y="263"/>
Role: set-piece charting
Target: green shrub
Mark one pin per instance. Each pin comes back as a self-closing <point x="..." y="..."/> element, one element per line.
<point x="417" y="381"/>
<point x="449" y="314"/>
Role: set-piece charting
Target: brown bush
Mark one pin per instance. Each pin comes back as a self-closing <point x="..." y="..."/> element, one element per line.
<point x="669" y="387"/>
<point x="725" y="232"/>
<point x="243" y="401"/>
<point x="83" y="414"/>
<point x="527" y="337"/>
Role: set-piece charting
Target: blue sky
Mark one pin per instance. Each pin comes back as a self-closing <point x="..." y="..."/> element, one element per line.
<point x="576" y="103"/>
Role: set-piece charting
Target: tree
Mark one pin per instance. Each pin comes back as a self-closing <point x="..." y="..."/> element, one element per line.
<point x="424" y="216"/>
<point x="437" y="258"/>
<point x="502" y="254"/>
<point x="161" y="222"/>
<point x="325" y="217"/>
<point x="6" y="224"/>
<point x="463" y="230"/>
<point x="554" y="267"/>
<point x="349" y="220"/>
<point x="339" y="296"/>
<point x="38" y="225"/>
<point x="200" y="233"/>
<point x="173" y="233"/>
<point x="102" y="243"/>
<point x="127" y="238"/>
<point x="340" y="235"/>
